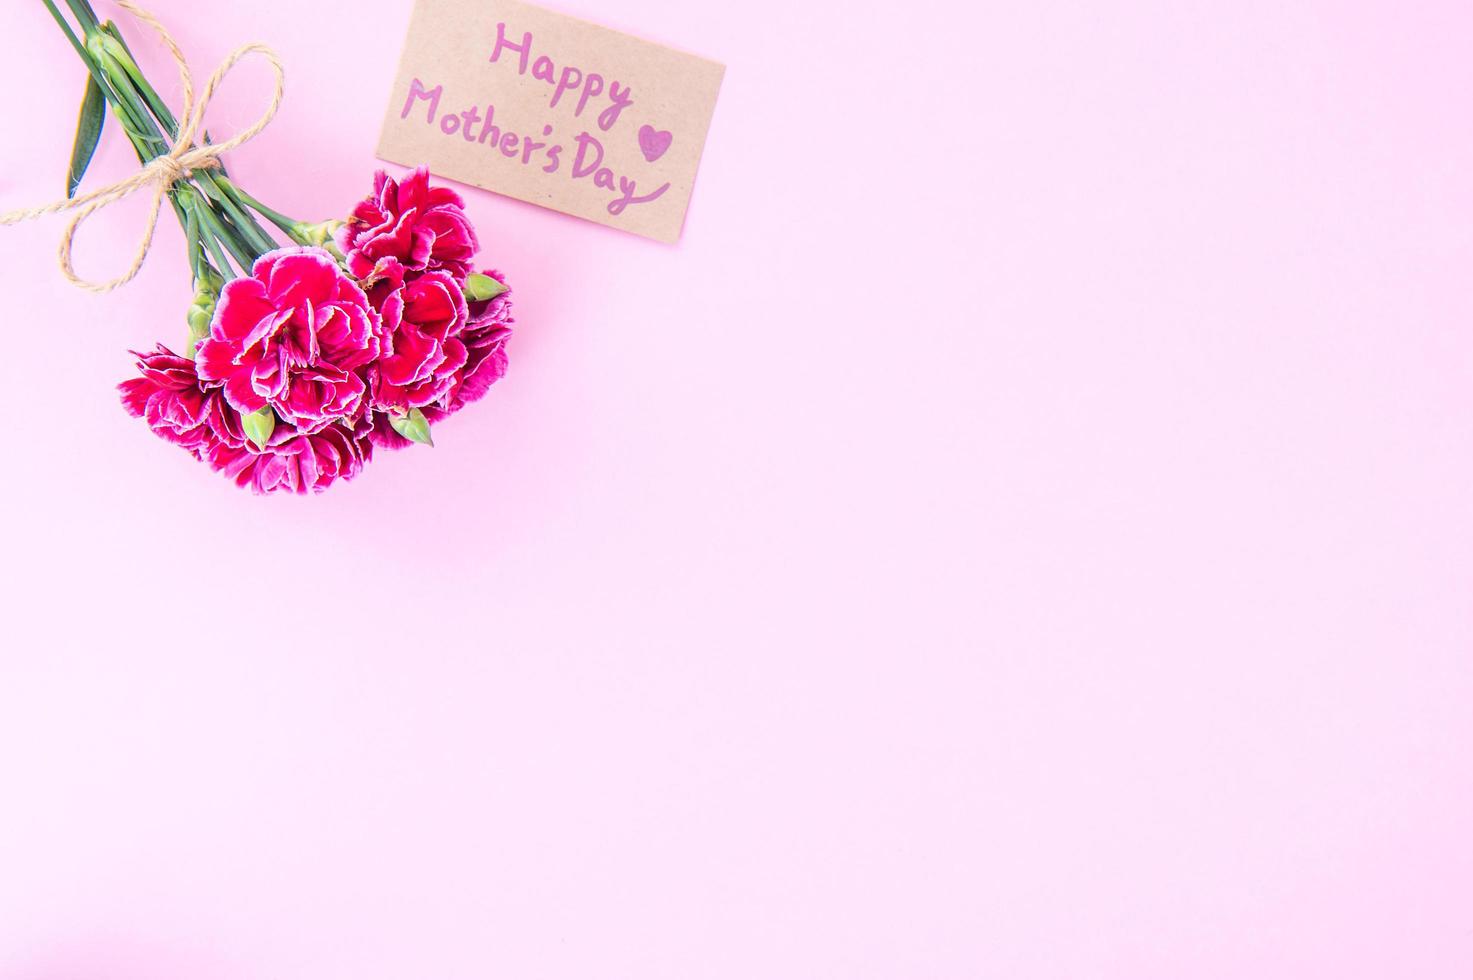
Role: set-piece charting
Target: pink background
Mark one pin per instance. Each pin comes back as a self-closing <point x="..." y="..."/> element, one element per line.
<point x="1021" y="531"/>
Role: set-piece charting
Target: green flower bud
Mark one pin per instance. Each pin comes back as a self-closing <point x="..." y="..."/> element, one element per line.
<point x="320" y="234"/>
<point x="199" y="328"/>
<point x="97" y="44"/>
<point x="479" y="287"/>
<point x="207" y="288"/>
<point x="414" y="427"/>
<point x="113" y="57"/>
<point x="258" y="426"/>
<point x="209" y="281"/>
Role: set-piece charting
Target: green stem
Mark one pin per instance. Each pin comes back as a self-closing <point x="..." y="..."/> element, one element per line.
<point x="67" y="30"/>
<point x="212" y="244"/>
<point x="252" y="234"/>
<point x="84" y="14"/>
<point x="191" y="238"/>
<point x="215" y="232"/>
<point x="289" y="226"/>
<point x="230" y="236"/>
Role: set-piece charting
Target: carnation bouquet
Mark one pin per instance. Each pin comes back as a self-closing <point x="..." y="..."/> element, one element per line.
<point x="308" y="345"/>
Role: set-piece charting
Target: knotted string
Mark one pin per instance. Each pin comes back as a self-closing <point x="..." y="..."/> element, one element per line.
<point x="162" y="172"/>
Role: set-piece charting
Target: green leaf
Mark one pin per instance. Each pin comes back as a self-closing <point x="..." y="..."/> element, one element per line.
<point x="480" y="287"/>
<point x="89" y="128"/>
<point x="414" y="427"/>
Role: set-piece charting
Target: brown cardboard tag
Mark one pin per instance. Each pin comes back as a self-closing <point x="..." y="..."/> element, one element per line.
<point x="552" y="110"/>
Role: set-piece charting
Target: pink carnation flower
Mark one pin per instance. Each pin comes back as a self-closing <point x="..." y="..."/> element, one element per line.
<point x="487" y="328"/>
<point x="294" y="461"/>
<point x="422" y="353"/>
<point x="423" y="227"/>
<point x="292" y="335"/>
<point x="178" y="408"/>
<point x="488" y="325"/>
<point x="170" y="398"/>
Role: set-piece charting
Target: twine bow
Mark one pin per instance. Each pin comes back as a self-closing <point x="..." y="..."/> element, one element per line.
<point x="162" y="172"/>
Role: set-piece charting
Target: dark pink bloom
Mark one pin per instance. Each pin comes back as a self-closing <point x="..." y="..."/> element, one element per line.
<point x="488" y="325"/>
<point x="170" y="397"/>
<point x="487" y="328"/>
<point x="423" y="227"/>
<point x="422" y="322"/>
<point x="294" y="461"/>
<point x="177" y="408"/>
<point x="293" y="335"/>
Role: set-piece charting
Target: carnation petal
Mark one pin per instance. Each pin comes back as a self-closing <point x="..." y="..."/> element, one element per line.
<point x="243" y="304"/>
<point x="242" y="395"/>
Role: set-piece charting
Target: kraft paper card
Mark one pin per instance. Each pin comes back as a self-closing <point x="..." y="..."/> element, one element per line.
<point x="552" y="110"/>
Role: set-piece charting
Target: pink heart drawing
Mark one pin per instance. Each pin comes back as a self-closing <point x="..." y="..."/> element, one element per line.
<point x="652" y="143"/>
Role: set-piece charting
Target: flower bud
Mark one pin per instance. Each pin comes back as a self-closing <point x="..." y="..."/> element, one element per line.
<point x="414" y="427"/>
<point x="209" y="281"/>
<point x="258" y="426"/>
<point x="113" y="57"/>
<point x="97" y="44"/>
<point x="480" y="287"/>
<point x="320" y="234"/>
<point x="198" y="319"/>
<point x="207" y="287"/>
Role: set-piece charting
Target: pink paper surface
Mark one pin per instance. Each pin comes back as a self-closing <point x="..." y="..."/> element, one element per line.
<point x="1022" y="530"/>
